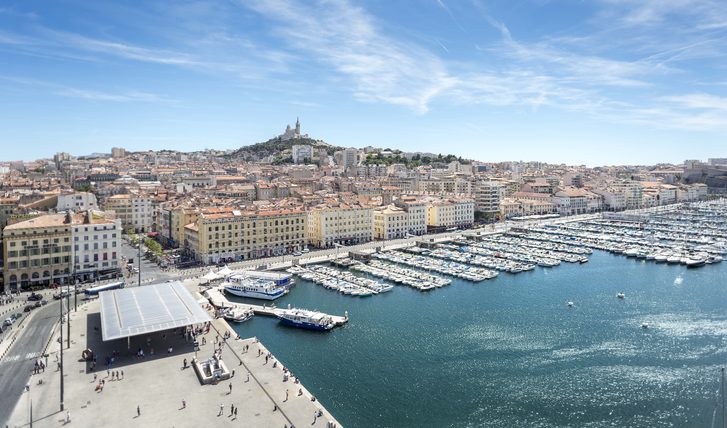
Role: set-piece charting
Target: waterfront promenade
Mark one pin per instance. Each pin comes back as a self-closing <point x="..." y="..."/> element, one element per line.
<point x="165" y="393"/>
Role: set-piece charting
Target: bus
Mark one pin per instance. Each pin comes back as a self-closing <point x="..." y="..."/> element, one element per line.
<point x="93" y="291"/>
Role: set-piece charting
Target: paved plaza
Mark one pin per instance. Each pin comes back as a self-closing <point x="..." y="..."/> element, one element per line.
<point x="166" y="394"/>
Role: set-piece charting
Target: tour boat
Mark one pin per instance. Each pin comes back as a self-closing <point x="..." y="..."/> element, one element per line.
<point x="303" y="318"/>
<point x="243" y="286"/>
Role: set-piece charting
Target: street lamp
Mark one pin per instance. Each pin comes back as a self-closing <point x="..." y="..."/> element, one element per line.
<point x="60" y="306"/>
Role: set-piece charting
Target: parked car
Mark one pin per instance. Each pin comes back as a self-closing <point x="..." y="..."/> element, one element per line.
<point x="16" y="315"/>
<point x="8" y="322"/>
<point x="28" y="308"/>
<point x="43" y="302"/>
<point x="34" y="297"/>
<point x="37" y="304"/>
<point x="297" y="254"/>
<point x="61" y="295"/>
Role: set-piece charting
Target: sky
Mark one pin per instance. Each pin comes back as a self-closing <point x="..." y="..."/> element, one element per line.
<point x="594" y="82"/>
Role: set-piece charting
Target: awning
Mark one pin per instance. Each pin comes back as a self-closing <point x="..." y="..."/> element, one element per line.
<point x="141" y="310"/>
<point x="224" y="271"/>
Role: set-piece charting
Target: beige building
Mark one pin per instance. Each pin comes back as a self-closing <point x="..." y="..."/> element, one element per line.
<point x="339" y="223"/>
<point x="227" y="234"/>
<point x="390" y="222"/>
<point x="38" y="251"/>
<point x="452" y="212"/>
<point x="135" y="211"/>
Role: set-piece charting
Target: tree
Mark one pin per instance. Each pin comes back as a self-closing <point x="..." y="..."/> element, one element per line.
<point x="153" y="246"/>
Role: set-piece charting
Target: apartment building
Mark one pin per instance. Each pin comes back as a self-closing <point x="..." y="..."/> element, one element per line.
<point x="37" y="251"/>
<point x="134" y="210"/>
<point x="171" y="221"/>
<point x="573" y="200"/>
<point x="448" y="213"/>
<point x="77" y="201"/>
<point x="488" y="195"/>
<point x="417" y="214"/>
<point x="339" y="223"/>
<point x="96" y="245"/>
<point x="227" y="234"/>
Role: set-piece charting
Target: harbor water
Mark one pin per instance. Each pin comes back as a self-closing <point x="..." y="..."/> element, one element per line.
<point x="510" y="352"/>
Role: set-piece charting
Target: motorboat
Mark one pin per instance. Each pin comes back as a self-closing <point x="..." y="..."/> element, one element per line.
<point x="310" y="320"/>
<point x="237" y="314"/>
<point x="621" y="296"/>
<point x="570" y="304"/>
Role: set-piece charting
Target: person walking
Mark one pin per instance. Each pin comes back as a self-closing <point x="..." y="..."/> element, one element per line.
<point x="68" y="417"/>
<point x="230" y="389"/>
<point x="235" y="412"/>
<point x="138" y="411"/>
<point x="184" y="404"/>
<point x="232" y="409"/>
<point x="222" y="410"/>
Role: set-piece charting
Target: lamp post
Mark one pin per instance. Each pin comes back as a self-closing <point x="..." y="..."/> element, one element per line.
<point x="60" y="306"/>
<point x="139" y="267"/>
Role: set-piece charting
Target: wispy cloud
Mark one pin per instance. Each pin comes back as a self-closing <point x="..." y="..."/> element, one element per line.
<point x="90" y="95"/>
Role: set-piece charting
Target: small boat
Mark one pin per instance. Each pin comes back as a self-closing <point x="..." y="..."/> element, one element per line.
<point x="621" y="296"/>
<point x="644" y="325"/>
<point x="570" y="304"/>
<point x="695" y="262"/>
<point x="237" y="315"/>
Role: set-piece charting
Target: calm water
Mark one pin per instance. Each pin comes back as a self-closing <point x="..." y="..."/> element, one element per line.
<point x="508" y="352"/>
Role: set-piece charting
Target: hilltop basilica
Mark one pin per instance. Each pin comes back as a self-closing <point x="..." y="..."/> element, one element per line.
<point x="292" y="134"/>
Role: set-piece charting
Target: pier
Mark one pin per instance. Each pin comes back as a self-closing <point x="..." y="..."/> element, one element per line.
<point x="217" y="298"/>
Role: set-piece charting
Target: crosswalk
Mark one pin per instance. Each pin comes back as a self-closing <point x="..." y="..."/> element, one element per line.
<point x="16" y="357"/>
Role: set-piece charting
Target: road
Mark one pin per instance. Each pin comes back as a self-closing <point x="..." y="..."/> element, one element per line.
<point x="17" y="366"/>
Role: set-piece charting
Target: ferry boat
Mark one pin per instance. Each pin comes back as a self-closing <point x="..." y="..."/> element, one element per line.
<point x="310" y="320"/>
<point x="242" y="285"/>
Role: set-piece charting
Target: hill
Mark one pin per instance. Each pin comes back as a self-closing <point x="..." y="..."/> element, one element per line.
<point x="277" y="150"/>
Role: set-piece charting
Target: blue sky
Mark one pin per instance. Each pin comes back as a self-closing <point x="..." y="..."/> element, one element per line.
<point x="594" y="82"/>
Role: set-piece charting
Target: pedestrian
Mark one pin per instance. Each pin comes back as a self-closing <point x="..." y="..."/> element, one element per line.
<point x="184" y="365"/>
<point x="138" y="411"/>
<point x="235" y="412"/>
<point x="233" y="373"/>
<point x="222" y="409"/>
<point x="122" y="374"/>
<point x="184" y="404"/>
<point x="315" y="417"/>
<point x="94" y="378"/>
<point x="68" y="416"/>
<point x="232" y="409"/>
<point x="230" y="389"/>
<point x="248" y="377"/>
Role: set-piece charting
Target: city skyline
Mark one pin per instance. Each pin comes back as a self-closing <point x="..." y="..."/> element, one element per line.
<point x="609" y="82"/>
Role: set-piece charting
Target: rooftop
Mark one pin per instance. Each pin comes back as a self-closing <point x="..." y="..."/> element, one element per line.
<point x="134" y="311"/>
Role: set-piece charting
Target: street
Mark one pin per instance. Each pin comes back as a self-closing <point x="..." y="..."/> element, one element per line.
<point x="17" y="366"/>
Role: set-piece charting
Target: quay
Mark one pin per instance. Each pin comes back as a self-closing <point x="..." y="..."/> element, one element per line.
<point x="264" y="392"/>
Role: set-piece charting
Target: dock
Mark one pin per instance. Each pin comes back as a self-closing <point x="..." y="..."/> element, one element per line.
<point x="217" y="298"/>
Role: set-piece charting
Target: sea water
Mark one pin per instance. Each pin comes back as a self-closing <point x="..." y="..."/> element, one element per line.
<point x="509" y="352"/>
